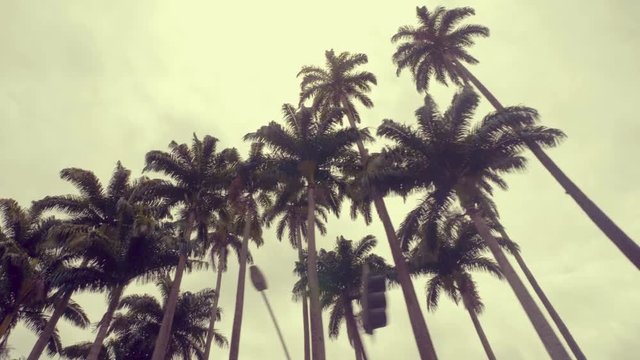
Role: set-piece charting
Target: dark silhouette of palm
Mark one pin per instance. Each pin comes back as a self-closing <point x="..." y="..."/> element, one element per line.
<point x="459" y="251"/>
<point x="438" y="47"/>
<point x="198" y="179"/>
<point x="311" y="147"/>
<point x="447" y="159"/>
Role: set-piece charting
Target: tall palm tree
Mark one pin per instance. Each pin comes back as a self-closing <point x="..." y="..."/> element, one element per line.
<point x="438" y="48"/>
<point x="225" y="236"/>
<point x="33" y="277"/>
<point x="291" y="208"/>
<point x="198" y="178"/>
<point x="340" y="85"/>
<point x="340" y="275"/>
<point x="129" y="246"/>
<point x="448" y="159"/>
<point x="311" y="147"/>
<point x="23" y="235"/>
<point x="137" y="325"/>
<point x="459" y="251"/>
<point x="247" y="193"/>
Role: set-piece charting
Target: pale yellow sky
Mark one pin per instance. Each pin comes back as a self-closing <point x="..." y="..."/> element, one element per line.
<point x="87" y="83"/>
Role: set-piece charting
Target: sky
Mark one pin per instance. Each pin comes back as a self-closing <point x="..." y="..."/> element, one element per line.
<point x="87" y="83"/>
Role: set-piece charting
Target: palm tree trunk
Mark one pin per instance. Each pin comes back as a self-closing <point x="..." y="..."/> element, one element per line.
<point x="214" y="313"/>
<point x="619" y="238"/>
<point x="44" y="337"/>
<point x="305" y="310"/>
<point x="234" y="350"/>
<point x="317" y="335"/>
<point x="6" y="322"/>
<point x="160" y="349"/>
<point x="476" y="325"/>
<point x="566" y="334"/>
<point x="420" y="332"/>
<point x="355" y="333"/>
<point x="103" y="327"/>
<point x="552" y="344"/>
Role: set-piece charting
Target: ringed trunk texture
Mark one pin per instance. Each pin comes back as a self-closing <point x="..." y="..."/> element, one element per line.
<point x="234" y="350"/>
<point x="476" y="324"/>
<point x="350" y="318"/>
<point x="160" y="349"/>
<point x="212" y="318"/>
<point x="566" y="334"/>
<point x="317" y="335"/>
<point x="305" y="310"/>
<point x="551" y="342"/>
<point x="103" y="327"/>
<point x="620" y="239"/>
<point x="418" y="325"/>
<point x="43" y="339"/>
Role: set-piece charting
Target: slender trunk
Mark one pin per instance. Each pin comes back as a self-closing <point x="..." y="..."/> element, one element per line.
<point x="566" y="334"/>
<point x="476" y="324"/>
<point x="355" y="333"/>
<point x="552" y="344"/>
<point x="6" y="322"/>
<point x="44" y="337"/>
<point x="619" y="238"/>
<point x="305" y="310"/>
<point x="213" y="316"/>
<point x="103" y="327"/>
<point x="160" y="349"/>
<point x="419" y="326"/>
<point x="317" y="335"/>
<point x="234" y="351"/>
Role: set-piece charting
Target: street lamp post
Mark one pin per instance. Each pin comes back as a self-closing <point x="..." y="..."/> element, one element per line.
<point x="260" y="283"/>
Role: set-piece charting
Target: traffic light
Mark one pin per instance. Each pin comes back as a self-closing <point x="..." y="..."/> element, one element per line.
<point x="374" y="302"/>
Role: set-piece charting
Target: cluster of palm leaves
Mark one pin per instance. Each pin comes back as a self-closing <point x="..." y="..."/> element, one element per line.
<point x="208" y="202"/>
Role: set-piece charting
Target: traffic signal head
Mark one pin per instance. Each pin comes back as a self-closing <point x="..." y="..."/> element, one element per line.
<point x="374" y="302"/>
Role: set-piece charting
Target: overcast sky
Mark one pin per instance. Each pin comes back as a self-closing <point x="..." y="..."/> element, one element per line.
<point x="87" y="83"/>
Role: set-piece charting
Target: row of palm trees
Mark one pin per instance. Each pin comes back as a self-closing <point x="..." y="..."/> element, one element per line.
<point x="205" y="203"/>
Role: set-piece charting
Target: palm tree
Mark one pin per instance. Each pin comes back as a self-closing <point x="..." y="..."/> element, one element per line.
<point x="23" y="234"/>
<point x="340" y="275"/>
<point x="448" y="159"/>
<point x="310" y="147"/>
<point x="459" y="251"/>
<point x="291" y="207"/>
<point x="198" y="177"/>
<point x="33" y="277"/>
<point x="338" y="86"/>
<point x="130" y="245"/>
<point x="225" y="235"/>
<point x="137" y="325"/>
<point x="438" y="47"/>
<point x="247" y="193"/>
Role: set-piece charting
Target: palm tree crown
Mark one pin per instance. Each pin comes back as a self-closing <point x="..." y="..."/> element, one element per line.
<point x="447" y="156"/>
<point x="338" y="84"/>
<point x="436" y="45"/>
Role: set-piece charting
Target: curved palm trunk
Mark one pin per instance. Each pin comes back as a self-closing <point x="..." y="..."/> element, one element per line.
<point x="552" y="344"/>
<point x="619" y="238"/>
<point x="350" y="318"/>
<point x="160" y="349"/>
<point x="305" y="310"/>
<point x="317" y="335"/>
<point x="420" y="332"/>
<point x="212" y="318"/>
<point x="44" y="337"/>
<point x="103" y="328"/>
<point x="566" y="334"/>
<point x="234" y="350"/>
<point x="476" y="325"/>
